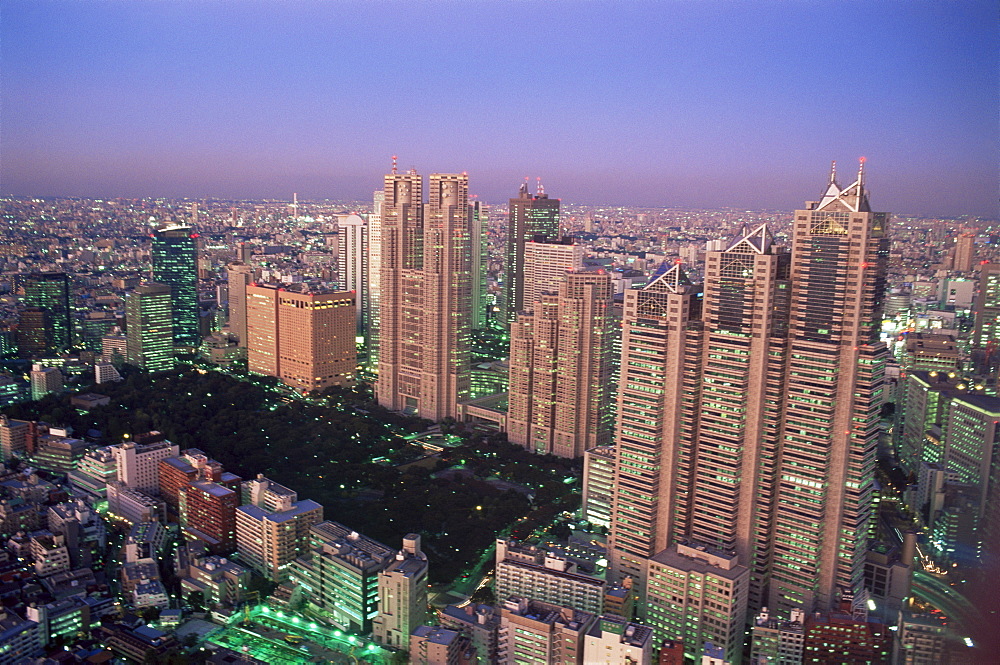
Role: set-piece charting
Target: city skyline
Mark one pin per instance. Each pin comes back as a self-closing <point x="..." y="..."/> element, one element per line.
<point x="693" y="105"/>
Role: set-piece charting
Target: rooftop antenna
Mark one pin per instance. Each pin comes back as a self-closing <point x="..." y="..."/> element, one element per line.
<point x="539" y="187"/>
<point x="394" y="164"/>
<point x="861" y="171"/>
<point x="833" y="171"/>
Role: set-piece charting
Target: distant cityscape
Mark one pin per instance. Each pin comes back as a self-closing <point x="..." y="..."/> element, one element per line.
<point x="523" y="432"/>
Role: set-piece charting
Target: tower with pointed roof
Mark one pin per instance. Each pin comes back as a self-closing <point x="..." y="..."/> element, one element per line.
<point x="833" y="398"/>
<point x="748" y="416"/>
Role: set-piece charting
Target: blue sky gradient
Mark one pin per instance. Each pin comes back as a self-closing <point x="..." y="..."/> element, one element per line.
<point x="686" y="103"/>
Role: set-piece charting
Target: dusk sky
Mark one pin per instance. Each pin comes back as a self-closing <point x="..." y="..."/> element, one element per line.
<point x="686" y="103"/>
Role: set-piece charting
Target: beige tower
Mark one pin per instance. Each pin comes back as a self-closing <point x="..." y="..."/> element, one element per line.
<point x="560" y="365"/>
<point x="240" y="276"/>
<point x="834" y="393"/>
<point x="425" y="309"/>
<point x="305" y="339"/>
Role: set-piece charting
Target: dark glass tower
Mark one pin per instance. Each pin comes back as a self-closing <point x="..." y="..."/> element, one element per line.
<point x="175" y="264"/>
<point x="49" y="292"/>
<point x="530" y="218"/>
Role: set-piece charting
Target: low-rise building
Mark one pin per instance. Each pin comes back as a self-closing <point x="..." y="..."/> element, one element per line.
<point x="402" y="595"/>
<point x="612" y="639"/>
<point x="220" y="580"/>
<point x="432" y="645"/>
<point x="537" y="633"/>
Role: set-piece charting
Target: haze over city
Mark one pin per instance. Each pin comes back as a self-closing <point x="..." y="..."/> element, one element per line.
<point x="683" y="104"/>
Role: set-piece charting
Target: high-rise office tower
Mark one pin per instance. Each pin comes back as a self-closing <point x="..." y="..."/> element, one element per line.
<point x="49" y="292"/>
<point x="531" y="217"/>
<point x="560" y="364"/>
<point x="305" y="339"/>
<point x="986" y="334"/>
<point x="479" y="217"/>
<point x="175" y="264"/>
<point x="833" y="398"/>
<point x="748" y="414"/>
<point x="965" y="252"/>
<point x="545" y="266"/>
<point x="425" y="308"/>
<point x="149" y="327"/>
<point x="374" y="279"/>
<point x="352" y="266"/>
<point x="239" y="276"/>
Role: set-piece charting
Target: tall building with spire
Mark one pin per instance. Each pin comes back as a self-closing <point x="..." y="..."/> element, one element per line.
<point x="175" y="263"/>
<point x="748" y="414"/>
<point x="425" y="308"/>
<point x="531" y="217"/>
<point x="833" y="397"/>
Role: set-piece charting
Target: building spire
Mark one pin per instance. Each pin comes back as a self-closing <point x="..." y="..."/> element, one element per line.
<point x="539" y="188"/>
<point x="861" y="172"/>
<point x="833" y="172"/>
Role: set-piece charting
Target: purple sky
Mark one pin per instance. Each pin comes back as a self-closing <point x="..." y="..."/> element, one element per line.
<point x="687" y="103"/>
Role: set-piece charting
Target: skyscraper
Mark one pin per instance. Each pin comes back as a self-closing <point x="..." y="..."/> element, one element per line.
<point x="149" y="327"/>
<point x="49" y="292"/>
<point x="305" y="339"/>
<point x="374" y="279"/>
<point x="352" y="264"/>
<point x="239" y="276"/>
<point x="530" y="218"/>
<point x="833" y="398"/>
<point x="560" y="365"/>
<point x="175" y="264"/>
<point x="479" y="216"/>
<point x="425" y="308"/>
<point x="748" y="411"/>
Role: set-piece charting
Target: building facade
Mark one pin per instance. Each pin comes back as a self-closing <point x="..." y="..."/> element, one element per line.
<point x="175" y="263"/>
<point x="531" y="218"/>
<point x="149" y="327"/>
<point x="425" y="308"/>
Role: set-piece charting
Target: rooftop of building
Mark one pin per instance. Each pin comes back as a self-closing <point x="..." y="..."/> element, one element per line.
<point x="436" y="635"/>
<point x="632" y="634"/>
<point x="214" y="489"/>
<point x="702" y="560"/>
<point x="298" y="508"/>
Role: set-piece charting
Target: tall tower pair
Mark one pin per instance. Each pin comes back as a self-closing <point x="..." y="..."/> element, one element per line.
<point x="748" y="410"/>
<point x="424" y="295"/>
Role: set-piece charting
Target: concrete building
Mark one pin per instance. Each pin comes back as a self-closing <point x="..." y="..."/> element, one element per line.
<point x="598" y="485"/>
<point x="374" y="279"/>
<point x="402" y="595"/>
<point x="527" y="571"/>
<point x="220" y="580"/>
<point x="208" y="513"/>
<point x="425" y="311"/>
<point x="239" y="276"/>
<point x="560" y="366"/>
<point x="537" y="633"/>
<point x="612" y="639"/>
<point x="480" y="623"/>
<point x="14" y="437"/>
<point x="431" y="645"/>
<point x="45" y="380"/>
<point x="545" y="268"/>
<point x="352" y="264"/>
<point x="698" y="595"/>
<point x="134" y="506"/>
<point x="306" y="339"/>
<point x="149" y="328"/>
<point x="272" y="527"/>
<point x="138" y="464"/>
<point x="777" y="642"/>
<point x="339" y="575"/>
